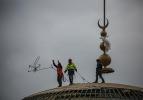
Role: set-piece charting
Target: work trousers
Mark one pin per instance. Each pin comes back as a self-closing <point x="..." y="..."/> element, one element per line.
<point x="59" y="79"/>
<point x="71" y="73"/>
<point x="100" y="75"/>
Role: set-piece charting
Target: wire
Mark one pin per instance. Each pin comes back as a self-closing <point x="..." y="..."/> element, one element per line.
<point x="65" y="79"/>
<point x="82" y="77"/>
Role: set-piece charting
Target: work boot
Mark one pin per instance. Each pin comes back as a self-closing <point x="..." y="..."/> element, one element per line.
<point x="95" y="82"/>
<point x="71" y="84"/>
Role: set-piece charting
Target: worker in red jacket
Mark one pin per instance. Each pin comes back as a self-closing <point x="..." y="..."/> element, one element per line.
<point x="59" y="72"/>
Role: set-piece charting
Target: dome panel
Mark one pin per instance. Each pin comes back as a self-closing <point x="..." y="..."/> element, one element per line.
<point x="90" y="91"/>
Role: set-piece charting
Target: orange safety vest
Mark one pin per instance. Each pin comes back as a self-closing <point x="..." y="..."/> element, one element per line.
<point x="59" y="71"/>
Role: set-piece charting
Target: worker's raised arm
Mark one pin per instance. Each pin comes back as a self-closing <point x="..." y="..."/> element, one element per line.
<point x="54" y="63"/>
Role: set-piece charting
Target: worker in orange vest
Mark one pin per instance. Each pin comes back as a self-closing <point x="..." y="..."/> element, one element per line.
<point x="59" y="72"/>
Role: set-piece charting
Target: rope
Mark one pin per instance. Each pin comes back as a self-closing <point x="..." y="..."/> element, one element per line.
<point x="82" y="77"/>
<point x="64" y="78"/>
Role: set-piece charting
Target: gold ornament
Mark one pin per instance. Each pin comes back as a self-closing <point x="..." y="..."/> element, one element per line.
<point x="103" y="33"/>
<point x="102" y="46"/>
<point x="105" y="60"/>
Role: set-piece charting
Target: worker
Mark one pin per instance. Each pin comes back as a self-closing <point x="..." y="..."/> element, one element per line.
<point x="59" y="72"/>
<point x="71" y="68"/>
<point x="99" y="71"/>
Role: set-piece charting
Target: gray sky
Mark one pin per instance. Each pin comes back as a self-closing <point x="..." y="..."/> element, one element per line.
<point x="62" y="29"/>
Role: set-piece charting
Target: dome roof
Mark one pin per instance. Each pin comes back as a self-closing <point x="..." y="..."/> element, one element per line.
<point x="90" y="91"/>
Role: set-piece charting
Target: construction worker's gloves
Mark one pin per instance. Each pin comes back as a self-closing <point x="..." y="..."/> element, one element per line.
<point x="65" y="71"/>
<point x="76" y="70"/>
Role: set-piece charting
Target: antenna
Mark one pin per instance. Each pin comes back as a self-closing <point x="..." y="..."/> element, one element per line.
<point x="36" y="60"/>
<point x="35" y="66"/>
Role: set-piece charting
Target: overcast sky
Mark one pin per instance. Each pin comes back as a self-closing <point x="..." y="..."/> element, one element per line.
<point x="63" y="29"/>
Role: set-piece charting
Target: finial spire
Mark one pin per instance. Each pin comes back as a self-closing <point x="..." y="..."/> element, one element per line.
<point x="104" y="11"/>
<point x="105" y="25"/>
<point x="105" y="44"/>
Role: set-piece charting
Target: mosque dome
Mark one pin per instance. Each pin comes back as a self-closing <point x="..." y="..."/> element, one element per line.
<point x="90" y="91"/>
